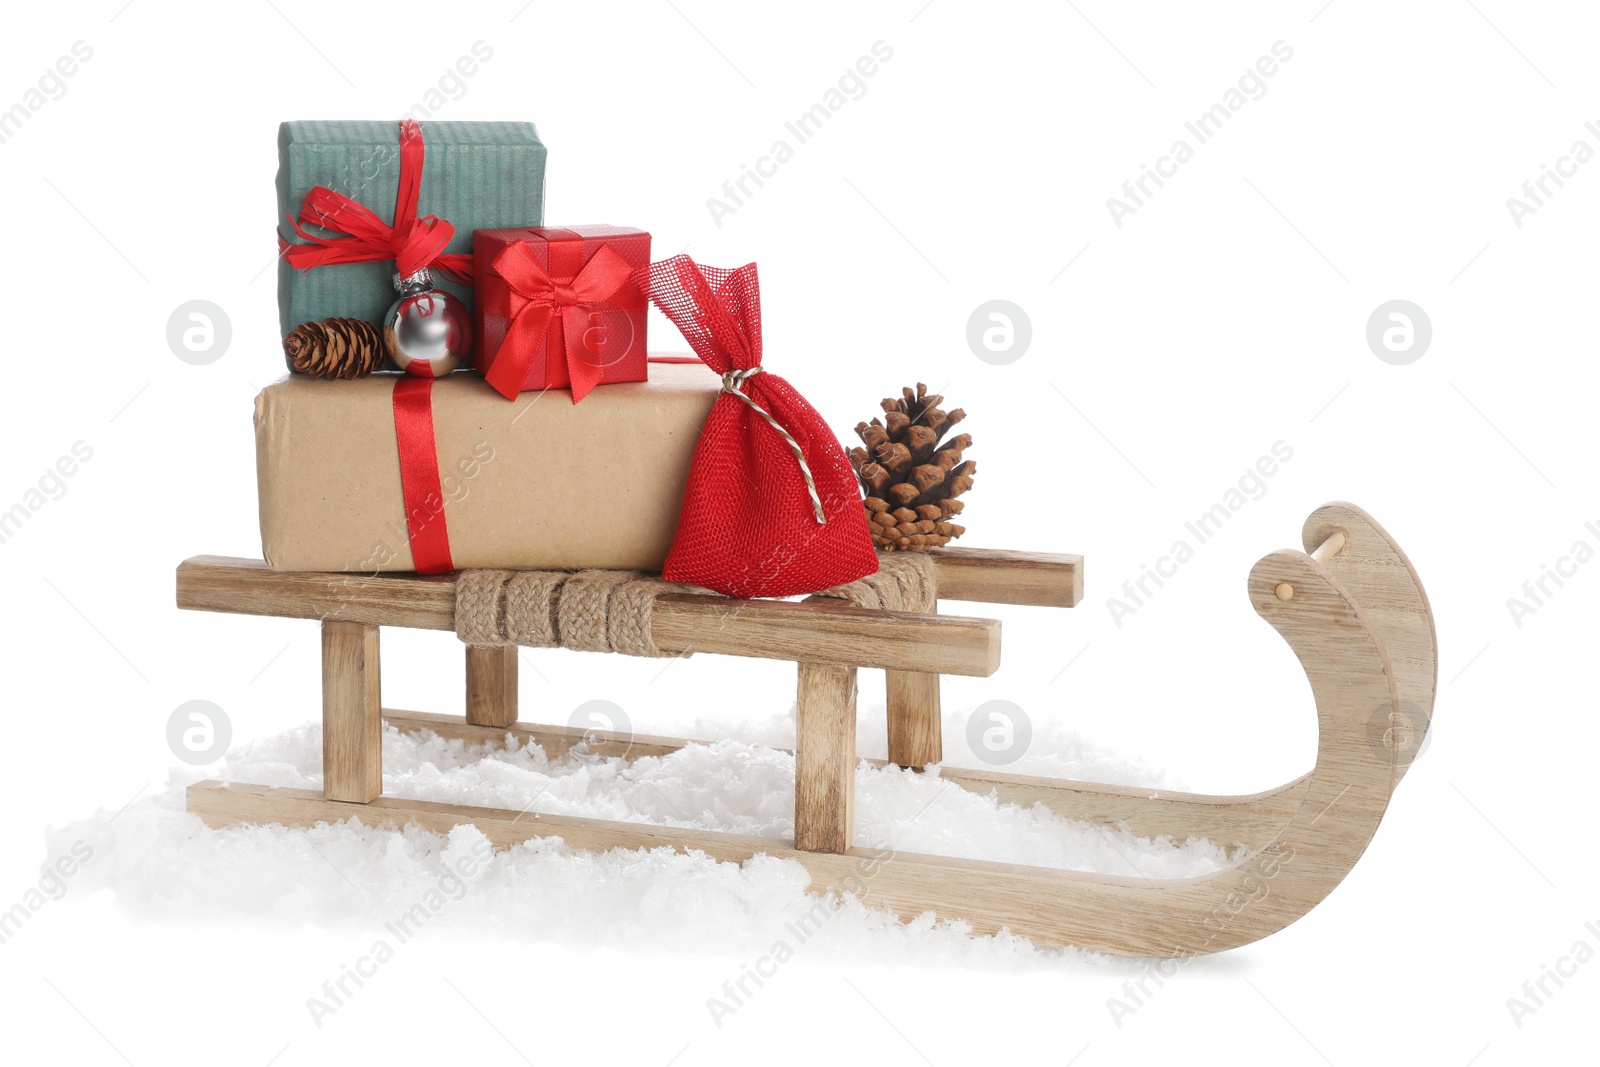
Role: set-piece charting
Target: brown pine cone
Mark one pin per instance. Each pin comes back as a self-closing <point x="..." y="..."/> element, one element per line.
<point x="911" y="479"/>
<point x="335" y="348"/>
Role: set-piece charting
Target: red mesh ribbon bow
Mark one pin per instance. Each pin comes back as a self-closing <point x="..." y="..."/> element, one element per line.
<point x="772" y="507"/>
<point x="553" y="302"/>
<point x="413" y="243"/>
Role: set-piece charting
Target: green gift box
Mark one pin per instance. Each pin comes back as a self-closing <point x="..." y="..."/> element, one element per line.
<point x="475" y="175"/>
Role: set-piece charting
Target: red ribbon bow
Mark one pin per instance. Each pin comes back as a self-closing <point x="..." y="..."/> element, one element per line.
<point x="553" y="301"/>
<point x="412" y="242"/>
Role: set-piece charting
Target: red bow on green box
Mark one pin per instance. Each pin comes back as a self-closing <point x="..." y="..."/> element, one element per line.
<point x="555" y="315"/>
<point x="361" y="236"/>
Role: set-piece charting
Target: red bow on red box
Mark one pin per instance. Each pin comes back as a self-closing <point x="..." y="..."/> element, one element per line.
<point x="558" y="308"/>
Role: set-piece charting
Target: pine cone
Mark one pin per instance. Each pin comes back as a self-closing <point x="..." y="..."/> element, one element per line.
<point x="911" y="480"/>
<point x="335" y="348"/>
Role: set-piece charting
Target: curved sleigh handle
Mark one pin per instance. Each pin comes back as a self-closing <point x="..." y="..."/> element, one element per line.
<point x="1378" y="576"/>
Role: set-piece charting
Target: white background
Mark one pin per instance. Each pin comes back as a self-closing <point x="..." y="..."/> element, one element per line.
<point x="1225" y="315"/>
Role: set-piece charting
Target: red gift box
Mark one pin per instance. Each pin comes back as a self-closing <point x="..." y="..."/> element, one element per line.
<point x="556" y="309"/>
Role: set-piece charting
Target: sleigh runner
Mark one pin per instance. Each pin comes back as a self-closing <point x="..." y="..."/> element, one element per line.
<point x="1350" y="607"/>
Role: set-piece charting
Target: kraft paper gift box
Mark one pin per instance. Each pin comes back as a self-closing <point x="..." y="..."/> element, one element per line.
<point x="538" y="484"/>
<point x="475" y="175"/>
<point x="555" y="309"/>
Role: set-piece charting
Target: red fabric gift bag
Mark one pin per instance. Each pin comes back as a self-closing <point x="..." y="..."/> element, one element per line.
<point x="772" y="507"/>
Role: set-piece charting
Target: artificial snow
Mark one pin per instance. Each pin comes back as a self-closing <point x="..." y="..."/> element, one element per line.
<point x="159" y="859"/>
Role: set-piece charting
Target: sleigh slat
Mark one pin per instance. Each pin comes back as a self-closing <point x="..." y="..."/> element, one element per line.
<point x="997" y="576"/>
<point x="765" y="629"/>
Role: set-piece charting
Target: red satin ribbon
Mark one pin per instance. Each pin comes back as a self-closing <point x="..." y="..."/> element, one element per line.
<point x="554" y="296"/>
<point x="419" y="475"/>
<point x="413" y="243"/>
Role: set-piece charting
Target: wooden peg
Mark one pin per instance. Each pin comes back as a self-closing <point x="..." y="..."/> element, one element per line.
<point x="1329" y="548"/>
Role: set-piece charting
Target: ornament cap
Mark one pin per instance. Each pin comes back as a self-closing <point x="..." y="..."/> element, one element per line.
<point x="412" y="284"/>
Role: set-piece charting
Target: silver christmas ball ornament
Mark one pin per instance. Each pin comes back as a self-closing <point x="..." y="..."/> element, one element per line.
<point x="428" y="332"/>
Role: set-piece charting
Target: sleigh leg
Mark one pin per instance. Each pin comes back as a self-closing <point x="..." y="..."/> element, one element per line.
<point x="825" y="758"/>
<point x="352" y="714"/>
<point x="914" y="724"/>
<point x="492" y="685"/>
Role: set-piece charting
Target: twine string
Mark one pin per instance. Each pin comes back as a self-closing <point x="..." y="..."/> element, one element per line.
<point x="731" y="383"/>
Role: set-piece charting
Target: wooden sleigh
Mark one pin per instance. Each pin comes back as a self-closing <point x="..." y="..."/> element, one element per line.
<point x="1350" y="607"/>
